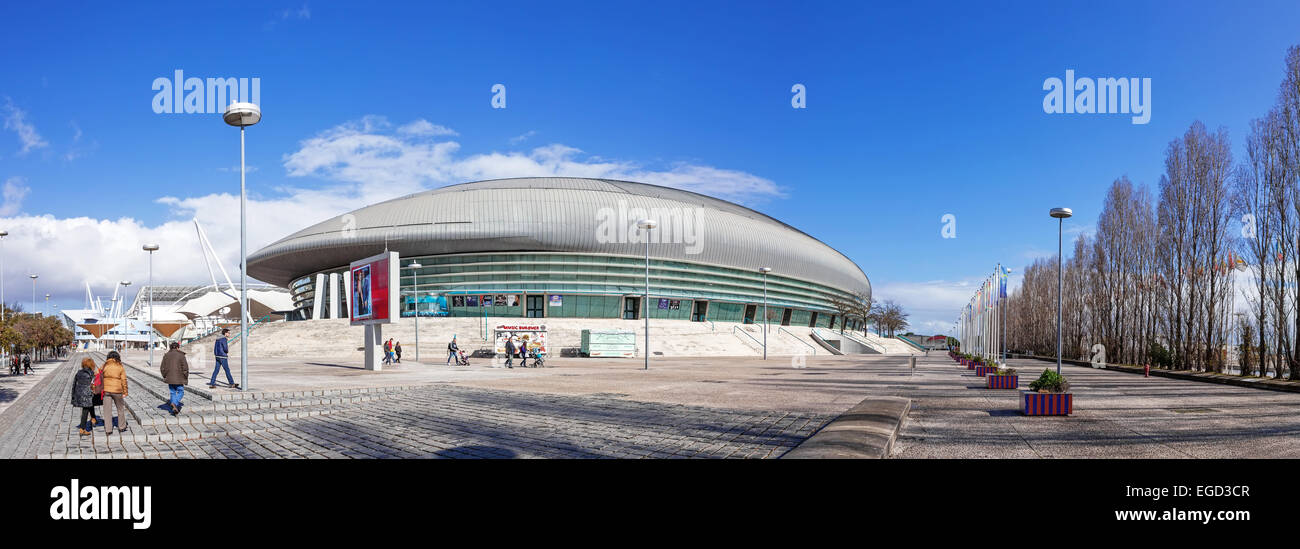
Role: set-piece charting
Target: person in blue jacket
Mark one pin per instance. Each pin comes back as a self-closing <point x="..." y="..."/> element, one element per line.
<point x="221" y="350"/>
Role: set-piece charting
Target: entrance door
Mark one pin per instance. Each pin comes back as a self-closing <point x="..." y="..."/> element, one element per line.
<point x="631" y="308"/>
<point x="701" y="309"/>
<point x="813" y="322"/>
<point x="785" y="319"/>
<point x="749" y="313"/>
<point x="533" y="306"/>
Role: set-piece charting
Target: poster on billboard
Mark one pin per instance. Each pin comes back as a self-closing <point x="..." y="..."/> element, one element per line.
<point x="531" y="336"/>
<point x="374" y="279"/>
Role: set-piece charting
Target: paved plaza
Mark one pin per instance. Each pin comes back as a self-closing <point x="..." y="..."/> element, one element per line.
<point x="681" y="407"/>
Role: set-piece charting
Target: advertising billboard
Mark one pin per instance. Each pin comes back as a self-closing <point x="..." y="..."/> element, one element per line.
<point x="530" y="336"/>
<point x="375" y="284"/>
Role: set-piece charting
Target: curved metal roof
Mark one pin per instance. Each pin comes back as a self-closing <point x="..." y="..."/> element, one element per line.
<point x="556" y="214"/>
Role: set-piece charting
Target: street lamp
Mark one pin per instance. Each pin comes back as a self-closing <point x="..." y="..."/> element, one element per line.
<point x="46" y="312"/>
<point x="243" y="115"/>
<point x="646" y="225"/>
<point x="1060" y="214"/>
<point x="151" y="248"/>
<point x="126" y="322"/>
<point x="764" y="270"/>
<point x="34" y="277"/>
<point x="3" y="234"/>
<point x="416" y="283"/>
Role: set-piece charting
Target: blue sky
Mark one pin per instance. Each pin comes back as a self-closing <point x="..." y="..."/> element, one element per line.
<point x="912" y="112"/>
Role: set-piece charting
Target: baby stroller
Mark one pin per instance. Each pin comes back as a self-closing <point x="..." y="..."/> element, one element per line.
<point x="539" y="358"/>
<point x="462" y="359"/>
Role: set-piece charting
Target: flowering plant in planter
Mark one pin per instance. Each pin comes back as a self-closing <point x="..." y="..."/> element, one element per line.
<point x="1050" y="382"/>
<point x="1048" y="396"/>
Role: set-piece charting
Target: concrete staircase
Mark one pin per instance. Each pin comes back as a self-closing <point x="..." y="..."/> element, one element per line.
<point x="335" y="337"/>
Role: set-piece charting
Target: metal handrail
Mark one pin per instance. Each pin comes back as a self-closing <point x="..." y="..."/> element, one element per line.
<point x="733" y="331"/>
<point x="796" y="338"/>
<point x="910" y="342"/>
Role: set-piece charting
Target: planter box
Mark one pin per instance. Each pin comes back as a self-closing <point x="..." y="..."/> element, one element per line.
<point x="1003" y="382"/>
<point x="1046" y="404"/>
<point x="982" y="371"/>
<point x="970" y="365"/>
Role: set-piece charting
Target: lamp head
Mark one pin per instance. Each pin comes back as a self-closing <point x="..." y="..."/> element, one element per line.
<point x="150" y="247"/>
<point x="764" y="270"/>
<point x="1061" y="213"/>
<point x="242" y="114"/>
<point x="415" y="265"/>
<point x="647" y="224"/>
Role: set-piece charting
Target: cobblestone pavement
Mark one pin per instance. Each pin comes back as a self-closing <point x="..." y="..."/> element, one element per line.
<point x="428" y="421"/>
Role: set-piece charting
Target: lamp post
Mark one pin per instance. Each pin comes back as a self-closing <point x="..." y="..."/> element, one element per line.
<point x="646" y="225"/>
<point x="151" y="248"/>
<point x="126" y="322"/>
<point x="764" y="270"/>
<point x="3" y="234"/>
<point x="46" y="311"/>
<point x="34" y="277"/>
<point x="1060" y="214"/>
<point x="243" y="115"/>
<point x="416" y="283"/>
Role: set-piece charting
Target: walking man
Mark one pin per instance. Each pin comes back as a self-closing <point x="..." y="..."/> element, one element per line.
<point x="176" y="373"/>
<point x="452" y="349"/>
<point x="510" y="352"/>
<point x="27" y="364"/>
<point x="221" y="351"/>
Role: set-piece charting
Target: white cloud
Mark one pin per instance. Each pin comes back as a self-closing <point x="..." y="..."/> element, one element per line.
<point x="423" y="127"/>
<point x="362" y="162"/>
<point x="385" y="164"/>
<point x="16" y="120"/>
<point x="523" y="137"/>
<point x="15" y="190"/>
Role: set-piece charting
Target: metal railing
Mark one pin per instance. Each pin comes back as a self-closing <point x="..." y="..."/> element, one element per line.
<point x="796" y="338"/>
<point x="734" y="329"/>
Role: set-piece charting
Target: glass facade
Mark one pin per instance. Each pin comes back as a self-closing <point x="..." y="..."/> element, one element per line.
<point x="567" y="285"/>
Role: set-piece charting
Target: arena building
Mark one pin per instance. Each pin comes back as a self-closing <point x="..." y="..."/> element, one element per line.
<point x="570" y="248"/>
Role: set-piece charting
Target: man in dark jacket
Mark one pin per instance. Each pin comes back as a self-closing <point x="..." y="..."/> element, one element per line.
<point x="221" y="351"/>
<point x="510" y="352"/>
<point x="176" y="373"/>
<point x="27" y="364"/>
<point x="452" y="349"/>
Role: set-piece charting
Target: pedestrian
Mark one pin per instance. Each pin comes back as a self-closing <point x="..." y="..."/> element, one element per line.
<point x="510" y="352"/>
<point x="451" y="351"/>
<point x="397" y="348"/>
<point x="221" y="350"/>
<point x="27" y="364"/>
<point x="115" y="391"/>
<point x="523" y="352"/>
<point x="83" y="395"/>
<point x="388" y="351"/>
<point x="176" y="373"/>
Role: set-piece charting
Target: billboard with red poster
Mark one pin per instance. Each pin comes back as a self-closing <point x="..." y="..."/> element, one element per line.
<point x="375" y="284"/>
